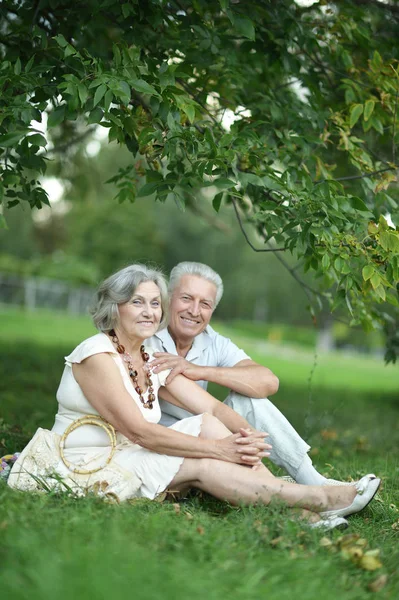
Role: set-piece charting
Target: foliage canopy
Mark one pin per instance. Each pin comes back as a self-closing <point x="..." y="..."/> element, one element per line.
<point x="310" y="159"/>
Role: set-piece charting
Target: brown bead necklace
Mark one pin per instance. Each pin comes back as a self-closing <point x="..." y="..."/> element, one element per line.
<point x="133" y="373"/>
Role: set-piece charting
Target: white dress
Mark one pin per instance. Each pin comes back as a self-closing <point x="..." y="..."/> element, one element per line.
<point x="88" y="446"/>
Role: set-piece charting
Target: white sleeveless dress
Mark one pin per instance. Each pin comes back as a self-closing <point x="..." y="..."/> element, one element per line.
<point x="88" y="446"/>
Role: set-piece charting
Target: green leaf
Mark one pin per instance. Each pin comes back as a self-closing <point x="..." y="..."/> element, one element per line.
<point x="29" y="64"/>
<point x="217" y="201"/>
<point x="171" y="122"/>
<point x="367" y="272"/>
<point x="124" y="92"/>
<point x="109" y="96"/>
<point x="394" y="242"/>
<point x="95" y="116"/>
<point x="338" y="264"/>
<point x="56" y="116"/>
<point x="376" y="60"/>
<point x="244" y="26"/>
<point x="325" y="261"/>
<point x="392" y="300"/>
<point x="37" y="140"/>
<point x="100" y="91"/>
<point x="190" y="112"/>
<point x="11" y="139"/>
<point x="358" y="204"/>
<point x="384" y="239"/>
<point x="223" y="183"/>
<point x="355" y="114"/>
<point x="372" y="228"/>
<point x="117" y="55"/>
<point x="148" y="189"/>
<point x="377" y="125"/>
<point x="375" y="280"/>
<point x="368" y="109"/>
<point x="83" y="93"/>
<point x="380" y="291"/>
<point x="69" y="51"/>
<point x="143" y="87"/>
<point x="61" y="41"/>
<point x="17" y="67"/>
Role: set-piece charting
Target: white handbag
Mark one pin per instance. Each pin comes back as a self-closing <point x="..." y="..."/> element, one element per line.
<point x="43" y="467"/>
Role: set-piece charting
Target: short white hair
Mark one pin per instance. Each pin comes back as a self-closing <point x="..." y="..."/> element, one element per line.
<point x="120" y="288"/>
<point x="199" y="270"/>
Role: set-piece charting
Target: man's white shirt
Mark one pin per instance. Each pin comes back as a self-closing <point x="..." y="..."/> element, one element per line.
<point x="209" y="349"/>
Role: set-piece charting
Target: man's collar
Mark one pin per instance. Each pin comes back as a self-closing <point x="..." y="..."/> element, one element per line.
<point x="200" y="343"/>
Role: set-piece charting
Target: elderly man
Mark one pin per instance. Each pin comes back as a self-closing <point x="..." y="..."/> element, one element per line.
<point x="190" y="346"/>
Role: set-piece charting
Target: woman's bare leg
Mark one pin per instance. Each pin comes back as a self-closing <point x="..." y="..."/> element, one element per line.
<point x="242" y="485"/>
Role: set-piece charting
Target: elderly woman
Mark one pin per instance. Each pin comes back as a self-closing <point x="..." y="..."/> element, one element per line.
<point x="106" y="435"/>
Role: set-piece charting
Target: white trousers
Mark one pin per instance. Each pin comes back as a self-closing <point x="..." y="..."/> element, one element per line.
<point x="289" y="449"/>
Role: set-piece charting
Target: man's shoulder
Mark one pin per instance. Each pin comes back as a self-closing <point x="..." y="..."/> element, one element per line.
<point x="215" y="336"/>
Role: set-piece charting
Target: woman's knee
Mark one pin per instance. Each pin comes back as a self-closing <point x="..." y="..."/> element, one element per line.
<point x="212" y="427"/>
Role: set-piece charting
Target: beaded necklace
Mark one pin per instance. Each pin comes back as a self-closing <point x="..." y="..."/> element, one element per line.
<point x="133" y="373"/>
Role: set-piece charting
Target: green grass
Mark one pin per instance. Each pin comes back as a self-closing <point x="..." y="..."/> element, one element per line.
<point x="57" y="547"/>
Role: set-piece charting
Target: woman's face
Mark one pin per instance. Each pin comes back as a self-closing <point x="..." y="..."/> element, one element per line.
<point x="140" y="317"/>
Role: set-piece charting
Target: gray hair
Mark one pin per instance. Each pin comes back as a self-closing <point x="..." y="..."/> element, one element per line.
<point x="199" y="270"/>
<point x="120" y="288"/>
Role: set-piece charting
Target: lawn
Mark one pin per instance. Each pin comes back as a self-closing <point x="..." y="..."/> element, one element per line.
<point x="58" y="547"/>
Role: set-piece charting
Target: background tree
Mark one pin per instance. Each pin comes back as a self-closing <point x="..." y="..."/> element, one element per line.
<point x="310" y="160"/>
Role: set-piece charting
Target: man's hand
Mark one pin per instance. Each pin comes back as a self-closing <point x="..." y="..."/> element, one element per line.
<point x="178" y="365"/>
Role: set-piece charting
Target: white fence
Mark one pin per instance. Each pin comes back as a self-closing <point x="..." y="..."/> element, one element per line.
<point x="37" y="292"/>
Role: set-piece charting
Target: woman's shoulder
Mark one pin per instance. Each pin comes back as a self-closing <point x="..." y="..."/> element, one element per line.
<point x="96" y="344"/>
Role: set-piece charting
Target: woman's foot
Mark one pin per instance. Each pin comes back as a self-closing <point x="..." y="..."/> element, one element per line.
<point x="353" y="499"/>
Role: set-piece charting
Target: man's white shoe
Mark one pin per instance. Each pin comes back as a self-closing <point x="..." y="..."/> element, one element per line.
<point x="366" y="488"/>
<point x="327" y="524"/>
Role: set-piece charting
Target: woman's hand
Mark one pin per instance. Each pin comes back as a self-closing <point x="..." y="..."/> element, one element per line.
<point x="177" y="365"/>
<point x="246" y="447"/>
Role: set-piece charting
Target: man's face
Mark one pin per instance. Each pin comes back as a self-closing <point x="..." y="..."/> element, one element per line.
<point x="191" y="306"/>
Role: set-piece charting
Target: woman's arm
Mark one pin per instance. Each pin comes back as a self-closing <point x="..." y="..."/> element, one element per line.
<point x="102" y="384"/>
<point x="189" y="395"/>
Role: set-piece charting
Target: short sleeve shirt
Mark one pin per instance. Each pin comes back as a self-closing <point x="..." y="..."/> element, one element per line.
<point x="209" y="349"/>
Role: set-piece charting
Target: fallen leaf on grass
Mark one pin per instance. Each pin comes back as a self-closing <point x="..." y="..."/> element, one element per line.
<point x="351" y="539"/>
<point x="3" y="524"/>
<point x="189" y="516"/>
<point x="276" y="540"/>
<point x="329" y="434"/>
<point x="353" y="553"/>
<point x="395" y="525"/>
<point x="325" y="542"/>
<point x="362" y="443"/>
<point x="200" y="530"/>
<point x="370" y="561"/>
<point x="176" y="508"/>
<point x="378" y="584"/>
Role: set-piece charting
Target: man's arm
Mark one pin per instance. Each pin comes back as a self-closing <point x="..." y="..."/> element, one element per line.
<point x="246" y="377"/>
<point x="187" y="395"/>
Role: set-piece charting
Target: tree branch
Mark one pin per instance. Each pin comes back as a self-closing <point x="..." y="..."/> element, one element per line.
<point x="393" y="130"/>
<point x="245" y="234"/>
<point x="351" y="177"/>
